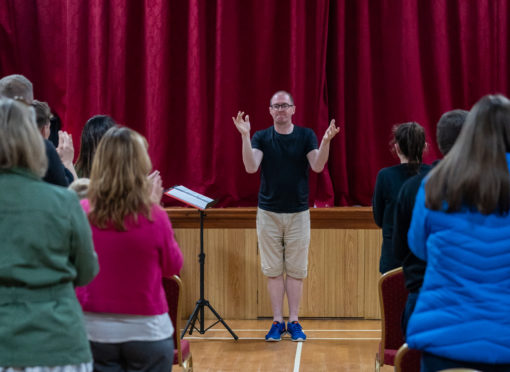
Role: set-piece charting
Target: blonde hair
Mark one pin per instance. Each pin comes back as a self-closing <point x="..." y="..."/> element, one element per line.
<point x="81" y="187"/>
<point x="119" y="186"/>
<point x="21" y="143"/>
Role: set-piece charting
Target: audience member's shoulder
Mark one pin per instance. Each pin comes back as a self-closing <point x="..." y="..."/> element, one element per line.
<point x="56" y="197"/>
<point x="388" y="171"/>
<point x="411" y="186"/>
<point x="50" y="148"/>
<point x="157" y="210"/>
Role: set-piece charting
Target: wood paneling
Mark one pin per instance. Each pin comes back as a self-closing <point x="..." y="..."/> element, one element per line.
<point x="342" y="273"/>
<point x="371" y="241"/>
<point x="241" y="218"/>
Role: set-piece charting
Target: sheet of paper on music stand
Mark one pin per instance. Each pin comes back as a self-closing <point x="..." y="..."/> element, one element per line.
<point x="190" y="197"/>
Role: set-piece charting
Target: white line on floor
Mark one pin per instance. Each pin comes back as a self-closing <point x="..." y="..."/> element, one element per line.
<point x="261" y="339"/>
<point x="308" y="330"/>
<point x="297" y="359"/>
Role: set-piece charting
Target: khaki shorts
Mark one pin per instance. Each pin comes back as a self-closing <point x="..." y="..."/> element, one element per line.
<point x="283" y="240"/>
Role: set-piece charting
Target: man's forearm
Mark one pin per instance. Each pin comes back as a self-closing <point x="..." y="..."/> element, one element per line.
<point x="322" y="157"/>
<point x="249" y="161"/>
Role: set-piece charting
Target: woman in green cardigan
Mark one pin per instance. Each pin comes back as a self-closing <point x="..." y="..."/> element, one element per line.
<point x="46" y="250"/>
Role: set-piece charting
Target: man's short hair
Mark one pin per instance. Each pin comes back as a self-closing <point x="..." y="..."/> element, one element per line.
<point x="281" y="92"/>
<point x="42" y="113"/>
<point x="12" y="86"/>
<point x="448" y="129"/>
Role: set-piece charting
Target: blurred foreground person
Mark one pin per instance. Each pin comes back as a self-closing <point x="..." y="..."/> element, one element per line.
<point x="46" y="251"/>
<point x="126" y="310"/>
<point x="461" y="228"/>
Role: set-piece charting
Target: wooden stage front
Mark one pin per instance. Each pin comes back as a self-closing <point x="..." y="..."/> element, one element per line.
<point x="342" y="274"/>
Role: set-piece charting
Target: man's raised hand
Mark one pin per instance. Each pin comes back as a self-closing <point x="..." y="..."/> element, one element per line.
<point x="242" y="124"/>
<point x="331" y="131"/>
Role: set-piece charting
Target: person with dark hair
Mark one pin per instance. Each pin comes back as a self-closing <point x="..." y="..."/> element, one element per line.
<point x="408" y="143"/>
<point x="126" y="311"/>
<point x="91" y="134"/>
<point x="285" y="152"/>
<point x="55" y="127"/>
<point x="447" y="131"/>
<point x="58" y="173"/>
<point x="461" y="228"/>
<point x="46" y="252"/>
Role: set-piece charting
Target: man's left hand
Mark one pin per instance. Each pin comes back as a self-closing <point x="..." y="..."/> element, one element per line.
<point x="331" y="131"/>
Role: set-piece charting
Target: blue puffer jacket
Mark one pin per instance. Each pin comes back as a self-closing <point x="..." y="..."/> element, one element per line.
<point x="463" y="310"/>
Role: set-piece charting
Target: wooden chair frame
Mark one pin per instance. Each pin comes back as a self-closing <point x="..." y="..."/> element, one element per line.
<point x="187" y="364"/>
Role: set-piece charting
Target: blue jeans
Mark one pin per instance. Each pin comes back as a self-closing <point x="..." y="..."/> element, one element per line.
<point x="140" y="356"/>
<point x="434" y="363"/>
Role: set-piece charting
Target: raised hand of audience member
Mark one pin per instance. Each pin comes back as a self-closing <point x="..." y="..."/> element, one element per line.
<point x="156" y="187"/>
<point x="65" y="150"/>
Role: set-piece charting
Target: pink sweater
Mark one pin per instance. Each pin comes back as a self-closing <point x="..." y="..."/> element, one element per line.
<point x="132" y="264"/>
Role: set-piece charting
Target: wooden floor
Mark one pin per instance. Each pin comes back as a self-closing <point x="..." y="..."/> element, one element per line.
<point x="332" y="345"/>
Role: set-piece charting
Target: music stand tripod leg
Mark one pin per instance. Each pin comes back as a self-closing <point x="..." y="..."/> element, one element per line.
<point x="221" y="320"/>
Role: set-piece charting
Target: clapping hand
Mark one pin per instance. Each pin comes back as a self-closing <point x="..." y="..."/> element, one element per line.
<point x="156" y="187"/>
<point x="331" y="131"/>
<point x="65" y="147"/>
<point x="242" y="124"/>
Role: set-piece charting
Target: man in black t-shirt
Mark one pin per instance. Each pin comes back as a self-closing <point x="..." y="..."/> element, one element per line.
<point x="285" y="152"/>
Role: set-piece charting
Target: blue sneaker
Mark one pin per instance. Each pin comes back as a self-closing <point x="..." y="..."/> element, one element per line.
<point x="276" y="332"/>
<point x="296" y="331"/>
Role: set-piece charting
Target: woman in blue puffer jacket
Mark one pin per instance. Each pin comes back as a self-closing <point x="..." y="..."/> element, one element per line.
<point x="461" y="227"/>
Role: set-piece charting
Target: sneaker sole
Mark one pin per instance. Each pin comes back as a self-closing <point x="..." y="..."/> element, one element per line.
<point x="273" y="339"/>
<point x="299" y="339"/>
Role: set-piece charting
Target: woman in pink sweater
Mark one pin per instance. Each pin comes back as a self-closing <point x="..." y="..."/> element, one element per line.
<point x="125" y="306"/>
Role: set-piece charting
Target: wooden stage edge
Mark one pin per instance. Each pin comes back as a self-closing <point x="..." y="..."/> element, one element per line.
<point x="244" y="218"/>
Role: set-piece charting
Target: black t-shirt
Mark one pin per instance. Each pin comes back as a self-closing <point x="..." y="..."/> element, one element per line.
<point x="284" y="168"/>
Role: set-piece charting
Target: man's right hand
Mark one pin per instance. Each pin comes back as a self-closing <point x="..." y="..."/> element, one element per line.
<point x="242" y="124"/>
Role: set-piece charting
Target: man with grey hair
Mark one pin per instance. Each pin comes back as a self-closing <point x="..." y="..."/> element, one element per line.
<point x="17" y="86"/>
<point x="60" y="161"/>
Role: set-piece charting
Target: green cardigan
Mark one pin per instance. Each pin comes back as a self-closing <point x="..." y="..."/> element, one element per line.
<point x="45" y="251"/>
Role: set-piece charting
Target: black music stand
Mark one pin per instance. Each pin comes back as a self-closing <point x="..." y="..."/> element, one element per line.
<point x="201" y="203"/>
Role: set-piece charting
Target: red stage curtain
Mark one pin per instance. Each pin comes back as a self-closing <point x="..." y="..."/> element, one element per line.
<point x="177" y="71"/>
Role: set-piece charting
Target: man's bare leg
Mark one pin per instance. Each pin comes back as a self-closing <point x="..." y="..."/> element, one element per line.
<point x="294" y="289"/>
<point x="276" y="288"/>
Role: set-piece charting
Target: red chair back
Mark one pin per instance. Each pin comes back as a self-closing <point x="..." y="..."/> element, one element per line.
<point x="392" y="298"/>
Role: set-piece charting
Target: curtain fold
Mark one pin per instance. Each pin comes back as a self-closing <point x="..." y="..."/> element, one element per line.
<point x="178" y="71"/>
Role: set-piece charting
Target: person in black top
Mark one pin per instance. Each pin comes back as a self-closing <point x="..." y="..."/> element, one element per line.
<point x="58" y="173"/>
<point x="55" y="127"/>
<point x="92" y="132"/>
<point x="408" y="143"/>
<point x="285" y="152"/>
<point x="60" y="166"/>
<point x="447" y="131"/>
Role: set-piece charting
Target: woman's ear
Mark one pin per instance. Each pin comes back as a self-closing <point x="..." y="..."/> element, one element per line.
<point x="397" y="149"/>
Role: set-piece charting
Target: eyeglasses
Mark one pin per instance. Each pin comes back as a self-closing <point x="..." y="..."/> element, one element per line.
<point x="283" y="106"/>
